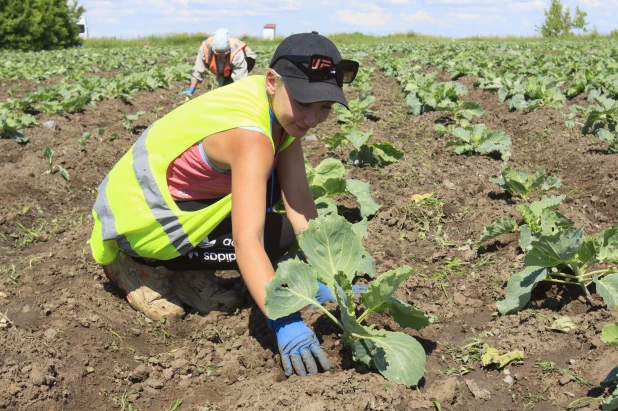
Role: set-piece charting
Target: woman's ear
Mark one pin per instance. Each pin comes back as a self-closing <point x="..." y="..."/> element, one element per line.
<point x="271" y="82"/>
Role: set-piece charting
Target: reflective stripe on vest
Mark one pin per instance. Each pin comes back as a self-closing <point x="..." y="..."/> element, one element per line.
<point x="165" y="219"/>
<point x="211" y="63"/>
<point x="135" y="211"/>
<point x="109" y="230"/>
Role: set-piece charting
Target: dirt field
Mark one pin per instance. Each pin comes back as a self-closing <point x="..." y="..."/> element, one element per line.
<point x="75" y="344"/>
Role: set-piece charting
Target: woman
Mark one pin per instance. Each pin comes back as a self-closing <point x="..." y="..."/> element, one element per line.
<point x="165" y="207"/>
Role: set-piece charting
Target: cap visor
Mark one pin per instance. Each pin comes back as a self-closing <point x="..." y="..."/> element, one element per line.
<point x="308" y="92"/>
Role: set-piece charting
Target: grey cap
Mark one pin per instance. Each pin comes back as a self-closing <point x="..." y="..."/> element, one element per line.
<point x="221" y="41"/>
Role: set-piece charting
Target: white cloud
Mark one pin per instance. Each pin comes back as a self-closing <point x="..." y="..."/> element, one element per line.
<point x="365" y="15"/>
<point x="182" y="20"/>
<point x="97" y="3"/>
<point x="244" y="5"/>
<point x="109" y="13"/>
<point x="527" y="6"/>
<point x="308" y="25"/>
<point x="485" y="7"/>
<point x="456" y="18"/>
<point x="364" y="19"/>
<point x="424" y="20"/>
<point x="594" y="4"/>
<point x="421" y="17"/>
<point x="111" y="20"/>
<point x="466" y="16"/>
<point x="459" y="2"/>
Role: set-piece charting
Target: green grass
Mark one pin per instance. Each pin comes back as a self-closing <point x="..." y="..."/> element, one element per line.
<point x="591" y="35"/>
<point x="194" y="39"/>
<point x="174" y="40"/>
<point x="9" y="274"/>
<point x="360" y="38"/>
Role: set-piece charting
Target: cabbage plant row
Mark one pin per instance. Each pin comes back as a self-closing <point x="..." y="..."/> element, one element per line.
<point x="540" y="74"/>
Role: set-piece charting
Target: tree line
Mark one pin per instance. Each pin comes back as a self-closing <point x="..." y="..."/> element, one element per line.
<point x="30" y="25"/>
<point x="559" y="22"/>
<point x="52" y="24"/>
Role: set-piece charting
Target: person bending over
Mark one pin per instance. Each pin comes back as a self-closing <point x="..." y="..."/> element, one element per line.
<point x="196" y="191"/>
<point x="227" y="58"/>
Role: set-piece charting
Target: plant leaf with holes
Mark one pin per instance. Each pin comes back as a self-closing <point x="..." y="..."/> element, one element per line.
<point x="335" y="256"/>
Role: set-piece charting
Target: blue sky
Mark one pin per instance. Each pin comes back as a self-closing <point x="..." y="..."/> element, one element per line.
<point x="451" y="18"/>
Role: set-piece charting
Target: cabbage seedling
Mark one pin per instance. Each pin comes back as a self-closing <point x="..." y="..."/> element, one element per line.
<point x="327" y="179"/>
<point x="519" y="183"/>
<point x="131" y="118"/>
<point x="477" y="139"/>
<point x="566" y="258"/>
<point x="335" y="257"/>
<point x="48" y="153"/>
<point x="539" y="218"/>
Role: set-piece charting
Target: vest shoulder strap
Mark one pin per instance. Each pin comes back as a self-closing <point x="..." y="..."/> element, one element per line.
<point x="207" y="48"/>
<point x="236" y="44"/>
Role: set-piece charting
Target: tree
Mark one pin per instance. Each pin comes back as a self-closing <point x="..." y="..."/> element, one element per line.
<point x="567" y="22"/>
<point x="39" y="24"/>
<point x="552" y="26"/>
<point x="580" y="22"/>
<point x="558" y="20"/>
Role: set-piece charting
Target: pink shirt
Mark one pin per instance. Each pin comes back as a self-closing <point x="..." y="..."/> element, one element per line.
<point x="192" y="177"/>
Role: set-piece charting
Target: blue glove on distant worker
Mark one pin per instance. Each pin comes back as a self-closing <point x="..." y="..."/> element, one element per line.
<point x="324" y="295"/>
<point x="297" y="346"/>
<point x="189" y="91"/>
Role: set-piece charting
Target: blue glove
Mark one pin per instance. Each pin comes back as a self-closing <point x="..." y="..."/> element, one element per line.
<point x="324" y="295"/>
<point x="189" y="91"/>
<point x="297" y="346"/>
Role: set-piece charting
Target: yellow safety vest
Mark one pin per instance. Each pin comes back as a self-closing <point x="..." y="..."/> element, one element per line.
<point x="135" y="211"/>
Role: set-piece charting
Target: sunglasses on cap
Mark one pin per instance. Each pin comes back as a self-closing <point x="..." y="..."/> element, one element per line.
<point x="320" y="67"/>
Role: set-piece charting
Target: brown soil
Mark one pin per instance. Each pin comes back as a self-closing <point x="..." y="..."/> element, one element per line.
<point x="76" y="344"/>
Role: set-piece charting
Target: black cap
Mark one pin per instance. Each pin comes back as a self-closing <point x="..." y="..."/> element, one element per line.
<point x="296" y="78"/>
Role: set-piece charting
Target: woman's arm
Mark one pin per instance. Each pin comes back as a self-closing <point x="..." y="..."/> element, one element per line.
<point x="250" y="156"/>
<point x="297" y="198"/>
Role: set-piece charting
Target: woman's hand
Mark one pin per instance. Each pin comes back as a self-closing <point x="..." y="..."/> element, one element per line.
<point x="325" y="296"/>
<point x="298" y="346"/>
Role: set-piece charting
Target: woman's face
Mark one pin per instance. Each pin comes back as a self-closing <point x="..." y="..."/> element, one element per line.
<point x="296" y="117"/>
